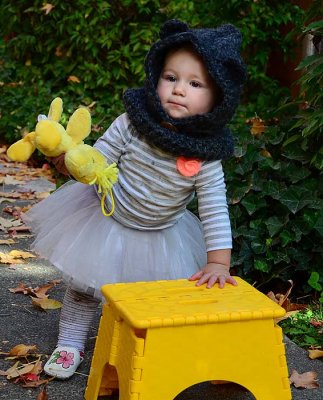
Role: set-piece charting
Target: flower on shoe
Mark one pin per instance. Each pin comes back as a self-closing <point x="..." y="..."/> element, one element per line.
<point x="66" y="359"/>
<point x="188" y="166"/>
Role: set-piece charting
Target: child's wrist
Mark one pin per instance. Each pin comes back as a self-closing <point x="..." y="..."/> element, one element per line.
<point x="219" y="264"/>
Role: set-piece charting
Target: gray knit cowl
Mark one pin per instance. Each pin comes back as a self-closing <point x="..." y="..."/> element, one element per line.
<point x="205" y="136"/>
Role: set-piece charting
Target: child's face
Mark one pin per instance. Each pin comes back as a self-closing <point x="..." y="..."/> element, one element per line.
<point x="185" y="87"/>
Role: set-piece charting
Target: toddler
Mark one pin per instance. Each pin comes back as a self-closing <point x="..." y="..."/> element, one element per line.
<point x="168" y="145"/>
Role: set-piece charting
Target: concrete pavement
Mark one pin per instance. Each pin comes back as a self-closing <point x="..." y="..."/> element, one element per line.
<point x="20" y="322"/>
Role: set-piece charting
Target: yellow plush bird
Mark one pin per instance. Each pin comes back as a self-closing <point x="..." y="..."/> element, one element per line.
<point x="84" y="163"/>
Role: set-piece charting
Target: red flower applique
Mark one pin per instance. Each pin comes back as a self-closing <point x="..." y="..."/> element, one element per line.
<point x="188" y="166"/>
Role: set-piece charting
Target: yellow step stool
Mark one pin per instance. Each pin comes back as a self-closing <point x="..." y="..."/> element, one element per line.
<point x="164" y="336"/>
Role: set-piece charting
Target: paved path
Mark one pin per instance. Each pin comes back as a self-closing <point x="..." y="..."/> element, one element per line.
<point x="20" y="322"/>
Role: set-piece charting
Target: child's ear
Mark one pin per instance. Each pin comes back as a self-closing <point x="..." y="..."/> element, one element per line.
<point x="172" y="27"/>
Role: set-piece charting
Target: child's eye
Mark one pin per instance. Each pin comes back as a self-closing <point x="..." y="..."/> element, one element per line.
<point x="196" y="84"/>
<point x="170" y="78"/>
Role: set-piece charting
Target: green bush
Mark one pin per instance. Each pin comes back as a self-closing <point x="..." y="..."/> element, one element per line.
<point x="90" y="52"/>
<point x="275" y="199"/>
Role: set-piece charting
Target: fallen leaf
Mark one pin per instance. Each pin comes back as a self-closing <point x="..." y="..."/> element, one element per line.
<point x="40" y="292"/>
<point x="21" y="350"/>
<point x="10" y="180"/>
<point x="2" y="200"/>
<point x="316" y="323"/>
<point x="56" y="281"/>
<point x="7" y="259"/>
<point x="7" y="241"/>
<point x="21" y="288"/>
<point x="11" y="369"/>
<point x="6" y="223"/>
<point x="313" y="354"/>
<point x="307" y="380"/>
<point x="43" y="395"/>
<point x="283" y="300"/>
<point x="22" y="228"/>
<point x="19" y="370"/>
<point x="34" y="384"/>
<point x="21" y="254"/>
<point x="46" y="304"/>
<point x="42" y="195"/>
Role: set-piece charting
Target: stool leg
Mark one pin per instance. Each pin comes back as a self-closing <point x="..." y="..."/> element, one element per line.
<point x="99" y="381"/>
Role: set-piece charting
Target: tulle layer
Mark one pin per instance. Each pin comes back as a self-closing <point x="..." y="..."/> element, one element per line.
<point x="92" y="250"/>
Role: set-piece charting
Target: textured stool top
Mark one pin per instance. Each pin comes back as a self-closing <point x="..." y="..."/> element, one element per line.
<point x="180" y="302"/>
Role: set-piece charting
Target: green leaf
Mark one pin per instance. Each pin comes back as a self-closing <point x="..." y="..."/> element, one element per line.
<point x="307" y="61"/>
<point x="237" y="193"/>
<point x="290" y="171"/>
<point x="314" y="281"/>
<point x="253" y="203"/>
<point x="274" y="189"/>
<point x="261" y="265"/>
<point x="286" y="237"/>
<point x="319" y="223"/>
<point x="258" y="247"/>
<point x="295" y="153"/>
<point x="313" y="26"/>
<point x="295" y="198"/>
<point x="274" y="224"/>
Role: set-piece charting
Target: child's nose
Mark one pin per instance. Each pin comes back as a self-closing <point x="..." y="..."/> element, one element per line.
<point x="179" y="88"/>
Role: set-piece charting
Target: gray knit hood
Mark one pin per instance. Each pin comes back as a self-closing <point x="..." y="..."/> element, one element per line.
<point x="205" y="136"/>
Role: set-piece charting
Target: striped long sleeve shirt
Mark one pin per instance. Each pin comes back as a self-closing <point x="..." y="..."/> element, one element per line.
<point x="151" y="193"/>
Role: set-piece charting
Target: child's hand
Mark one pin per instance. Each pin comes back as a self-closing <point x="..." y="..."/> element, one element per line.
<point x="59" y="163"/>
<point x="213" y="273"/>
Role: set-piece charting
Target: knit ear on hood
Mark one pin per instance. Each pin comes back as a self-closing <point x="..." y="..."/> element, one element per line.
<point x="172" y="27"/>
<point x="202" y="136"/>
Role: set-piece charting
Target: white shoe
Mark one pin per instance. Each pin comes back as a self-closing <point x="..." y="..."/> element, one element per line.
<point x="63" y="362"/>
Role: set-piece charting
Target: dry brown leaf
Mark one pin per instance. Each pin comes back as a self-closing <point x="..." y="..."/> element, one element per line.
<point x="2" y="200"/>
<point x="307" y="380"/>
<point x="34" y="384"/>
<point x="46" y="304"/>
<point x="43" y="395"/>
<point x="316" y="323"/>
<point x="21" y="288"/>
<point x="283" y="301"/>
<point x="21" y="254"/>
<point x="6" y="223"/>
<point x="40" y="292"/>
<point x="56" y="281"/>
<point x="313" y="354"/>
<point x="22" y="228"/>
<point x="19" y="370"/>
<point x="7" y="241"/>
<point x="16" y="234"/>
<point x="21" y="350"/>
<point x="9" y="370"/>
<point x="265" y="153"/>
<point x="47" y="8"/>
<point x="10" y="180"/>
<point x="7" y="259"/>
<point x="73" y="78"/>
<point x="42" y="195"/>
<point x="257" y="126"/>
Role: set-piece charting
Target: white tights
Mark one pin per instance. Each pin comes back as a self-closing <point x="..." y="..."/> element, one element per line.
<point x="76" y="317"/>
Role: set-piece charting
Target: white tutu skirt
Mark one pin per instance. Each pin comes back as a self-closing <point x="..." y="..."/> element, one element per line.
<point x="92" y="250"/>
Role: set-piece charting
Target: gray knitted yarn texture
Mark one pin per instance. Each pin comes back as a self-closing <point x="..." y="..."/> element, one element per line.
<point x="205" y="136"/>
